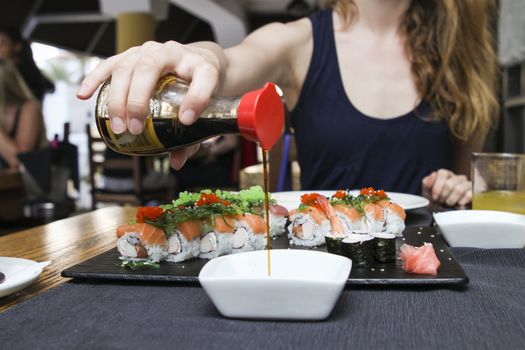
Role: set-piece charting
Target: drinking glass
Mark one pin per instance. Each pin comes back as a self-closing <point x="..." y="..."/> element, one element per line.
<point x="498" y="182"/>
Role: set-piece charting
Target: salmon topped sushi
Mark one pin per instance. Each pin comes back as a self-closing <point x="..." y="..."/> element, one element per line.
<point x="394" y="217"/>
<point x="184" y="241"/>
<point x="309" y="224"/>
<point x="142" y="240"/>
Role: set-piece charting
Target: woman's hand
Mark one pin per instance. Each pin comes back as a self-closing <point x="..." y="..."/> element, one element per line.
<point x="134" y="74"/>
<point x="443" y="186"/>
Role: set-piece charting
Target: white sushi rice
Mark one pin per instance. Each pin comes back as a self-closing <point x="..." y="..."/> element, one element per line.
<point x="373" y="225"/>
<point x="349" y="225"/>
<point x="156" y="253"/>
<point x="393" y="223"/>
<point x="256" y="241"/>
<point x="277" y="225"/>
<point x="357" y="238"/>
<point x="187" y="249"/>
<point x="126" y="245"/>
<point x="383" y="235"/>
<point x="214" y="244"/>
<point x="315" y="233"/>
<point x="241" y="240"/>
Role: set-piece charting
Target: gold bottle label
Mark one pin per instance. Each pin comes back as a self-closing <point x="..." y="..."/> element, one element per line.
<point x="147" y="141"/>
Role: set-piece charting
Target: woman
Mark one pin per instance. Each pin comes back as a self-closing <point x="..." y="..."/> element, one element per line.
<point x="21" y="122"/>
<point x="17" y="50"/>
<point x="393" y="94"/>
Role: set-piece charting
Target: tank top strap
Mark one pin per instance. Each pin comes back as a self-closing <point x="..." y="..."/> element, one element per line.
<point x="323" y="38"/>
<point x="323" y="62"/>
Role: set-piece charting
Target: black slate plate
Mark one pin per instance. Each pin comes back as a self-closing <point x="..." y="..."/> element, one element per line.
<point x="104" y="266"/>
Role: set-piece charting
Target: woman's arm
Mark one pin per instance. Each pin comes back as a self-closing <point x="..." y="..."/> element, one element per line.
<point x="28" y="131"/>
<point x="265" y="55"/>
<point x="270" y="53"/>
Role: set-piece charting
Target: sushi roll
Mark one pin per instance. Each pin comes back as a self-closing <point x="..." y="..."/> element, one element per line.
<point x="359" y="249"/>
<point x="184" y="242"/>
<point x="308" y="227"/>
<point x="129" y="246"/>
<point x="143" y="241"/>
<point x="374" y="217"/>
<point x="214" y="244"/>
<point x="350" y="217"/>
<point x="394" y="217"/>
<point x="333" y="244"/>
<point x="252" y="227"/>
<point x="384" y="246"/>
<point x="278" y="219"/>
<point x="219" y="239"/>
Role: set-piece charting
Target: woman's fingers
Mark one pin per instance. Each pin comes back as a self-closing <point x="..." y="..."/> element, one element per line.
<point x="180" y="156"/>
<point x="102" y="72"/>
<point x="442" y="176"/>
<point x="448" y="188"/>
<point x="427" y="183"/>
<point x="460" y="189"/>
<point x="203" y="83"/>
<point x="135" y="73"/>
<point x="467" y="197"/>
<point x="147" y="70"/>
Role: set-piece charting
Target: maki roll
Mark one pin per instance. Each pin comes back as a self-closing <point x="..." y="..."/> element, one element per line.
<point x="359" y="249"/>
<point x="384" y="246"/>
<point x="142" y="241"/>
<point x="308" y="226"/>
<point x="314" y="219"/>
<point x="184" y="241"/>
<point x="252" y="229"/>
<point x="333" y="243"/>
<point x="394" y="217"/>
<point x="350" y="217"/>
<point x="214" y="244"/>
<point x="218" y="237"/>
<point x="374" y="216"/>
<point x="278" y="218"/>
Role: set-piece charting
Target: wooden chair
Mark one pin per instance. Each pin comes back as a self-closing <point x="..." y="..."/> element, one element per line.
<point x="135" y="164"/>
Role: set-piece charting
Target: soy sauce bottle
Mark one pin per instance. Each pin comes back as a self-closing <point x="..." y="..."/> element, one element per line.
<point x="258" y="116"/>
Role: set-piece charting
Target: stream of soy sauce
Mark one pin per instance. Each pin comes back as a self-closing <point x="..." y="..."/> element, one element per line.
<point x="267" y="206"/>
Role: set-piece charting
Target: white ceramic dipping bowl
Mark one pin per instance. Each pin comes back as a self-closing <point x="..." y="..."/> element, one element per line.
<point x="304" y="285"/>
<point x="482" y="228"/>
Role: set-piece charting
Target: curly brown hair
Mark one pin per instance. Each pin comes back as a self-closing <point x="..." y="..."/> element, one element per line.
<point x="450" y="46"/>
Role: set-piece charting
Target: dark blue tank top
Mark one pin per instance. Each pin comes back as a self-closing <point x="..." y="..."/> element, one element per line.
<point x="338" y="147"/>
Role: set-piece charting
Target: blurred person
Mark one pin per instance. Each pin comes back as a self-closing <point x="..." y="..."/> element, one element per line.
<point x="394" y="94"/>
<point x="14" y="48"/>
<point x="22" y="126"/>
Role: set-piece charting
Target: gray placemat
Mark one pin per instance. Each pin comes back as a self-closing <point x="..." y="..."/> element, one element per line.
<point x="487" y="314"/>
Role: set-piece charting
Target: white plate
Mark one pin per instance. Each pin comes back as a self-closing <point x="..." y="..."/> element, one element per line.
<point x="304" y="284"/>
<point x="482" y="228"/>
<point x="291" y="200"/>
<point x="19" y="273"/>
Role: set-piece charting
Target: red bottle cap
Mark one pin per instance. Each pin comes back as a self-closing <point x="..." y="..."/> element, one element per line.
<point x="260" y="116"/>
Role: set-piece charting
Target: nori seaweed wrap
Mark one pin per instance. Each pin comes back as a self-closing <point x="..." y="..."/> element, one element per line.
<point x="333" y="244"/>
<point x="359" y="249"/>
<point x="384" y="246"/>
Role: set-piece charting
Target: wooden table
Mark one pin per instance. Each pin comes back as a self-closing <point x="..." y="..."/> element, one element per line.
<point x="65" y="242"/>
